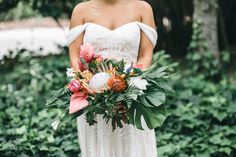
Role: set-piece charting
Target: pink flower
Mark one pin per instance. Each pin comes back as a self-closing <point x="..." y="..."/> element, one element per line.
<point x="82" y="66"/>
<point x="74" y="85"/>
<point x="99" y="58"/>
<point x="140" y="66"/>
<point x="78" y="101"/>
<point x="87" y="52"/>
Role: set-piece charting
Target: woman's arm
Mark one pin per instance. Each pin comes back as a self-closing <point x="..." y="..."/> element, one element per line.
<point x="74" y="47"/>
<point x="146" y="47"/>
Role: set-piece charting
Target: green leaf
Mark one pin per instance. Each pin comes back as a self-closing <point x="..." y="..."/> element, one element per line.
<point x="167" y="148"/>
<point x="161" y="83"/>
<point x="154" y="117"/>
<point x="92" y="65"/>
<point x="142" y="99"/>
<point x="56" y="95"/>
<point x="226" y="150"/>
<point x="21" y="130"/>
<point x="156" y="98"/>
<point x="137" y="70"/>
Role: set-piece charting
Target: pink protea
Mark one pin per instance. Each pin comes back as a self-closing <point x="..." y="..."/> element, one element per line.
<point x="74" y="85"/>
<point x="87" y="52"/>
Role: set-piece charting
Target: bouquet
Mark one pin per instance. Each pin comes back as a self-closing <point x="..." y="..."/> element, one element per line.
<point x="103" y="85"/>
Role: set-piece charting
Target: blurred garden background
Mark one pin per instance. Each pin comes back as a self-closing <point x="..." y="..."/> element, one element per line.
<point x="198" y="35"/>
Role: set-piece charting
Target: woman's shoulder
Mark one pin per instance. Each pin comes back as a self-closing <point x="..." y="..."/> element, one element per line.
<point x="141" y="4"/>
<point x="81" y="7"/>
<point x="79" y="13"/>
<point x="147" y="11"/>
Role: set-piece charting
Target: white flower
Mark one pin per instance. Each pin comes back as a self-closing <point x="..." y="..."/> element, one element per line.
<point x="55" y="124"/>
<point x="70" y="72"/>
<point x="138" y="82"/>
<point x="99" y="81"/>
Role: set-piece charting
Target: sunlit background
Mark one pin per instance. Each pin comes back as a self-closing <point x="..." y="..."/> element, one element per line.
<point x="199" y="35"/>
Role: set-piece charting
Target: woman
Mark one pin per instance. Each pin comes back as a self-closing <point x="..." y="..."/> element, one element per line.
<point x="120" y="29"/>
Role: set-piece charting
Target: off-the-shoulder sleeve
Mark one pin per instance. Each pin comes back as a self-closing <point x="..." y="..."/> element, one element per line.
<point x="150" y="32"/>
<point x="75" y="32"/>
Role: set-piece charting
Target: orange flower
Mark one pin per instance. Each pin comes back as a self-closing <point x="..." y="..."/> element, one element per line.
<point x="117" y="83"/>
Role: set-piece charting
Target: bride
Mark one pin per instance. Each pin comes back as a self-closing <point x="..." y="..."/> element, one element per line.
<point x="120" y="29"/>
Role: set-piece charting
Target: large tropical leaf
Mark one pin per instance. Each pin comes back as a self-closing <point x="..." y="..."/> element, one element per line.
<point x="162" y="84"/>
<point x="156" y="98"/>
<point x="153" y="116"/>
<point x="153" y="99"/>
<point x="158" y="72"/>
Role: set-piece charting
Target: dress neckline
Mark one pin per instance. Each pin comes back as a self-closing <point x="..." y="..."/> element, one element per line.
<point x="150" y="32"/>
<point x="121" y="26"/>
<point x="112" y="30"/>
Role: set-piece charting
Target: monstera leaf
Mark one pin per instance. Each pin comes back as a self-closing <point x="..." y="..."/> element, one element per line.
<point x="153" y="99"/>
<point x="150" y="106"/>
<point x="153" y="116"/>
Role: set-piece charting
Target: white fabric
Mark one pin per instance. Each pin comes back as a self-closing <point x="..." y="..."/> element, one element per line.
<point x="99" y="140"/>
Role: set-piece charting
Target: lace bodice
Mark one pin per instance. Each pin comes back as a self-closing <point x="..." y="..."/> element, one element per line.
<point x="120" y="43"/>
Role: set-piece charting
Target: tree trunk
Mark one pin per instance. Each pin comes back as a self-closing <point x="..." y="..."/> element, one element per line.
<point x="206" y="11"/>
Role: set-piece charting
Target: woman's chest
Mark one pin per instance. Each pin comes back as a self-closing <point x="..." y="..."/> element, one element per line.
<point x="125" y="38"/>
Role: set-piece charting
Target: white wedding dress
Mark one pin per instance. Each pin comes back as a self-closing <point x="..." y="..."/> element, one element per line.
<point x="99" y="140"/>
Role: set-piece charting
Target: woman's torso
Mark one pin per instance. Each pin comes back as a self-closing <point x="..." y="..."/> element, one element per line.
<point x="117" y="37"/>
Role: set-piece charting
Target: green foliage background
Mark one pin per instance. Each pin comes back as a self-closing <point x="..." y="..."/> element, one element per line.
<point x="202" y="114"/>
<point x="201" y="122"/>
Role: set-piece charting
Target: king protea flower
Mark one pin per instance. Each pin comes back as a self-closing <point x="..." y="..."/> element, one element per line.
<point x="98" y="83"/>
